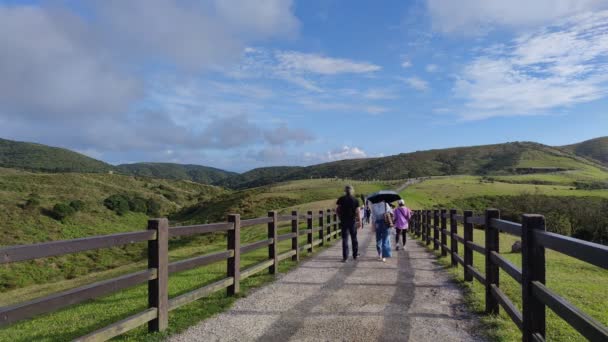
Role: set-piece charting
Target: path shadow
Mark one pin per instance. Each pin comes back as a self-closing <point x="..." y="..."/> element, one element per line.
<point x="289" y="322"/>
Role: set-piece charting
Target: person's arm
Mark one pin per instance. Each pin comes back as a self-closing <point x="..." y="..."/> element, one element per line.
<point x="358" y="218"/>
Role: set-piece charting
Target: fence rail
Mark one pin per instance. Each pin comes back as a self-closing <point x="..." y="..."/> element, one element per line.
<point x="534" y="237"/>
<point x="157" y="274"/>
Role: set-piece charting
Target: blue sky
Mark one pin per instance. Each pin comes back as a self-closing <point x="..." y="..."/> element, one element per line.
<point x="241" y="84"/>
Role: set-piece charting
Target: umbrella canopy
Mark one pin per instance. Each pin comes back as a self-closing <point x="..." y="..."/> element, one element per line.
<point x="387" y="196"/>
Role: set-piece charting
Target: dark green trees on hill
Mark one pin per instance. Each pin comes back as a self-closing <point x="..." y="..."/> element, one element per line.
<point x="37" y="157"/>
<point x="195" y="173"/>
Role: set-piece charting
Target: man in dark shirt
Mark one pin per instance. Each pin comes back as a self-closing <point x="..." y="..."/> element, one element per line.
<point x="348" y="211"/>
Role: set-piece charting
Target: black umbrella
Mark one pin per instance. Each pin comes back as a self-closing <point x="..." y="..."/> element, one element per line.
<point x="387" y="196"/>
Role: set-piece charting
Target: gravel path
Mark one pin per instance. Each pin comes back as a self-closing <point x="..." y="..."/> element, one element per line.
<point x="408" y="298"/>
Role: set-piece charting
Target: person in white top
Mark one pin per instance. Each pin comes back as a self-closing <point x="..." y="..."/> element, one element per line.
<point x="383" y="241"/>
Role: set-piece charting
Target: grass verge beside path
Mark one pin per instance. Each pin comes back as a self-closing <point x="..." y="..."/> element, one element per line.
<point x="81" y="319"/>
<point x="580" y="283"/>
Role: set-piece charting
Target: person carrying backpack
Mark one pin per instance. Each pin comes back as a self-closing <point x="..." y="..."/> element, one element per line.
<point x="402" y="216"/>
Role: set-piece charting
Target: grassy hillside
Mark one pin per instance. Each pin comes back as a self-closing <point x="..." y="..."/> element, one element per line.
<point x="499" y="159"/>
<point x="37" y="157"/>
<point x="195" y="173"/>
<point x="27" y="207"/>
<point x="595" y="149"/>
<point x="256" y="202"/>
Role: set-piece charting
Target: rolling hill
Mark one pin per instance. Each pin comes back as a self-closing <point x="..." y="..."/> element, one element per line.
<point x="195" y="173"/>
<point x="596" y="149"/>
<point x="498" y="159"/>
<point x="38" y="157"/>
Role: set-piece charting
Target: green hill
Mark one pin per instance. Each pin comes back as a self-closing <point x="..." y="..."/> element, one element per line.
<point x="195" y="173"/>
<point x="596" y="149"/>
<point x="27" y="207"/>
<point x="260" y="176"/>
<point x="38" y="157"/>
<point x="498" y="159"/>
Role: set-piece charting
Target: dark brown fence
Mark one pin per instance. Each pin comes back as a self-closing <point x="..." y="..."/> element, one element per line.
<point x="157" y="274"/>
<point x="534" y="238"/>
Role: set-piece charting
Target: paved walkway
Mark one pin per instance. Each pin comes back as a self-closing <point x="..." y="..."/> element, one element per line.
<point x="408" y="298"/>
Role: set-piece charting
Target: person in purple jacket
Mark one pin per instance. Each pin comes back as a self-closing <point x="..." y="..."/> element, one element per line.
<point x="402" y="218"/>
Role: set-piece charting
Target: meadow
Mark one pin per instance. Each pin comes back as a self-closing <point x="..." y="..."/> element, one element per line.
<point x="582" y="284"/>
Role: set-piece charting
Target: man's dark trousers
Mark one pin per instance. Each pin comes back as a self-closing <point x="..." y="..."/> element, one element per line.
<point x="348" y="228"/>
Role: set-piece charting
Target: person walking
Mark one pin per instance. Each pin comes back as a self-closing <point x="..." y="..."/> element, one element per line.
<point x="403" y="215"/>
<point x="381" y="221"/>
<point x="348" y="211"/>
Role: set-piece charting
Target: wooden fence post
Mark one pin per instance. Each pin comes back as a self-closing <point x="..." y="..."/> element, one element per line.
<point x="295" y="228"/>
<point x="453" y="232"/>
<point x="419" y="223"/>
<point x="273" y="249"/>
<point x="338" y="231"/>
<point x="533" y="269"/>
<point x="468" y="252"/>
<point x="492" y="270"/>
<point x="435" y="229"/>
<point x="329" y="225"/>
<point x="428" y="227"/>
<point x="444" y="227"/>
<point x="310" y="237"/>
<point x="234" y="263"/>
<point x="158" y="258"/>
<point x="321" y="230"/>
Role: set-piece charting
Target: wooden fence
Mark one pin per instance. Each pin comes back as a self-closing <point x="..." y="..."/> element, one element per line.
<point x="534" y="238"/>
<point x="157" y="274"/>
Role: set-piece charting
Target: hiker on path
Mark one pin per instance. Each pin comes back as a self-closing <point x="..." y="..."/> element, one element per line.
<point x="403" y="215"/>
<point x="381" y="223"/>
<point x="348" y="211"/>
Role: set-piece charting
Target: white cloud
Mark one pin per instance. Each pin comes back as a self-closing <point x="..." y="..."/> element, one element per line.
<point x="555" y="67"/>
<point x="375" y="110"/>
<point x="475" y="16"/>
<point x="318" y="64"/>
<point x="379" y="94"/>
<point x="301" y="69"/>
<point x="406" y="63"/>
<point x="351" y="107"/>
<point x="345" y="152"/>
<point x="416" y="83"/>
<point x="431" y="67"/>
<point x="192" y="34"/>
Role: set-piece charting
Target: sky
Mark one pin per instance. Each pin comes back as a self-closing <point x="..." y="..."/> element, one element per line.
<point x="240" y="84"/>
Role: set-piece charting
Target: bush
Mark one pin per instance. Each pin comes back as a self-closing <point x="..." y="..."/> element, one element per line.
<point x="117" y="203"/>
<point x="61" y="211"/>
<point x="153" y="207"/>
<point x="138" y="205"/>
<point x="77" y="205"/>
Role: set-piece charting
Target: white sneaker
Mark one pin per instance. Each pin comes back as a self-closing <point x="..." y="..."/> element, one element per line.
<point x="379" y="258"/>
<point x="383" y="259"/>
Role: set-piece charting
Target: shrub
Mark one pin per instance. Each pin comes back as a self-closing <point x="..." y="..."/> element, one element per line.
<point x="61" y="211"/>
<point x="117" y="203"/>
<point x="153" y="207"/>
<point x="77" y="205"/>
<point x="138" y="205"/>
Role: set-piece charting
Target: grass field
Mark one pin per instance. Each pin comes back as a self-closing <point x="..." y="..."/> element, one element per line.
<point x="441" y="190"/>
<point x="101" y="312"/>
<point x="582" y="284"/>
<point x="81" y="319"/>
